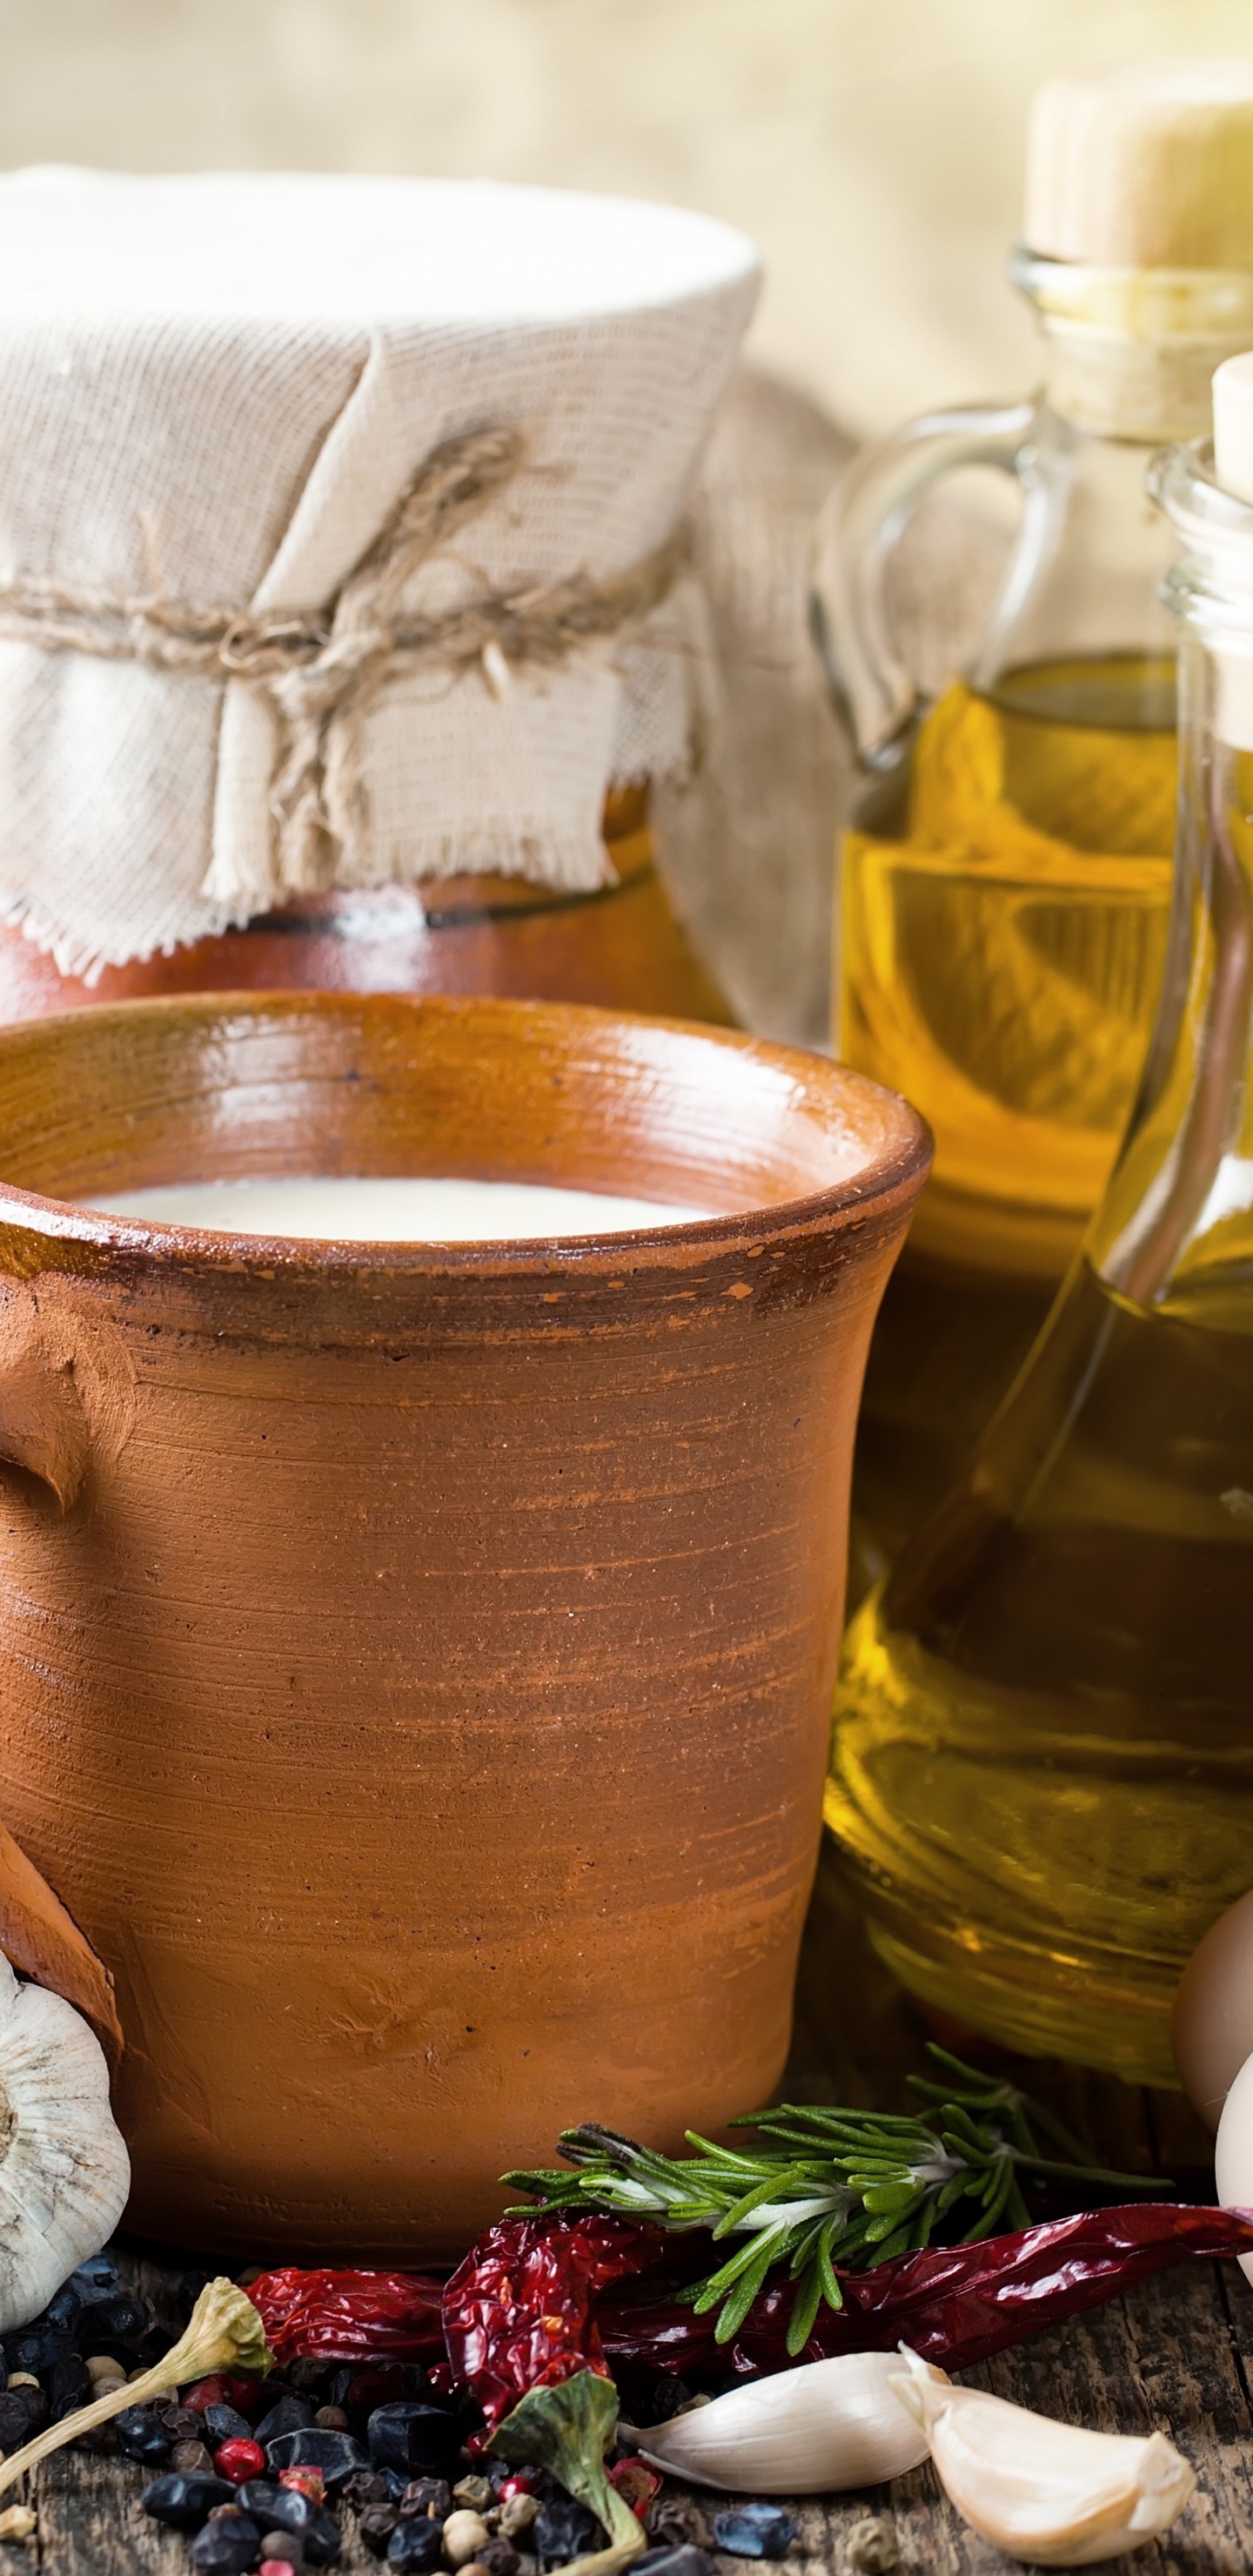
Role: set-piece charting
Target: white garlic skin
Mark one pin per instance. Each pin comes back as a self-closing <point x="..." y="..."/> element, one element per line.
<point x="1211" y="2026"/>
<point x="64" y="2170"/>
<point x="1233" y="2151"/>
<point x="1053" y="2495"/>
<point x="813" y="2431"/>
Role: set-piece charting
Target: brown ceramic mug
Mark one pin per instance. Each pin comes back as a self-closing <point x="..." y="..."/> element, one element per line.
<point x="415" y="1661"/>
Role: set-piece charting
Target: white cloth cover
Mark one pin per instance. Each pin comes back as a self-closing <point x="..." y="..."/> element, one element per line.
<point x="216" y="388"/>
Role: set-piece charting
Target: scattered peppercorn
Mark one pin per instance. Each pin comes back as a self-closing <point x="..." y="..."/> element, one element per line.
<point x="637" y="2485"/>
<point x="225" y="2548"/>
<point x="140" y="2434"/>
<point x="288" y="2415"/>
<point x="239" y="2459"/>
<point x="415" y="2436"/>
<point x="477" y="2493"/>
<point x="430" y="2496"/>
<point x="335" y="2457"/>
<point x="517" y="2514"/>
<point x="566" y="2529"/>
<point x="755" y="2531"/>
<point x="675" y="2522"/>
<point x="305" y="2479"/>
<point x="497" y="2557"/>
<point x="416" y="2544"/>
<point x="194" y="2459"/>
<point x="873" y="2546"/>
<point x="464" y="2535"/>
<point x="224" y="2423"/>
<point x="185" y="2502"/>
<point x="376" y="2526"/>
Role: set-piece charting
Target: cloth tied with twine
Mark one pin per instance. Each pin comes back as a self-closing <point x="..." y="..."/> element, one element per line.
<point x="337" y="519"/>
<point x="321" y="671"/>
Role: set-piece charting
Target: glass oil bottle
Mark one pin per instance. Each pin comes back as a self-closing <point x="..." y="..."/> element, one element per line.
<point x="1006" y="876"/>
<point x="1043" y="1757"/>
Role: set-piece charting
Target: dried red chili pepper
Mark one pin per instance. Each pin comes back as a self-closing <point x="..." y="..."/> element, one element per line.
<point x="955" y="2304"/>
<point x="518" y="2313"/>
<point x="350" y="2316"/>
<point x="524" y="2309"/>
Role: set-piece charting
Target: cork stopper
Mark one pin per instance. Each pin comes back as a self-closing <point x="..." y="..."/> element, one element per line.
<point x="1150" y="166"/>
<point x="1233" y="427"/>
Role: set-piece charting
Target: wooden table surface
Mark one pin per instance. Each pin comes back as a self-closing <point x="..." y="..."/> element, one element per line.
<point x="1177" y="2353"/>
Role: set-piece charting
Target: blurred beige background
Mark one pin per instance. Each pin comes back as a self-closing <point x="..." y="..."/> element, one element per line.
<point x="873" y="147"/>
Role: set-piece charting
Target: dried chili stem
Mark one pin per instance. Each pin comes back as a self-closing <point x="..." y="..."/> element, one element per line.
<point x="224" y="2333"/>
<point x="567" y="2428"/>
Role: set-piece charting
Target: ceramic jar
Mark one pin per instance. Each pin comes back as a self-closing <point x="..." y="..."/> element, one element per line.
<point x="415" y="1661"/>
<point x="622" y="947"/>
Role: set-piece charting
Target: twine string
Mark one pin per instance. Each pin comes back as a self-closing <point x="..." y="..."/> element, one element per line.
<point x="322" y="670"/>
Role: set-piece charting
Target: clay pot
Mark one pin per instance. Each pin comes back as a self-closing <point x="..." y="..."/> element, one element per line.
<point x="416" y="1662"/>
<point x="621" y="947"/>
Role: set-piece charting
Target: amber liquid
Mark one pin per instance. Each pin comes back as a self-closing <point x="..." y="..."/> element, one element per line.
<point x="1043" y="1759"/>
<point x="1005" y="908"/>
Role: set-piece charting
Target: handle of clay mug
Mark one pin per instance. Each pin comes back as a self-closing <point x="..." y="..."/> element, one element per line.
<point x="44" y="1428"/>
<point x="856" y="534"/>
<point x="43" y="1422"/>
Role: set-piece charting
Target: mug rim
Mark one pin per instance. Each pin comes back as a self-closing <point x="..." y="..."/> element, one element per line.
<point x="903" y="1160"/>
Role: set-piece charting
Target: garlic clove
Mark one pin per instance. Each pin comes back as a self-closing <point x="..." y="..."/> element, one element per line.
<point x="813" y="2431"/>
<point x="64" y="2170"/>
<point x="1233" y="2150"/>
<point x="1055" y="2495"/>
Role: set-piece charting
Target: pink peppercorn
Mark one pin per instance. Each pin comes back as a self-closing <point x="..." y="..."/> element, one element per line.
<point x="305" y="2482"/>
<point x="636" y="2484"/>
<point x="238" y="2460"/>
<point x="521" y="2483"/>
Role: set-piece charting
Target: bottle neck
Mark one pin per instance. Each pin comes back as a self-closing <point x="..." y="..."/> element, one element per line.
<point x="1131" y="352"/>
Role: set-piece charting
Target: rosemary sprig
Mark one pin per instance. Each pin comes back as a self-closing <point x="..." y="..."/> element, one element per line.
<point x="827" y="2187"/>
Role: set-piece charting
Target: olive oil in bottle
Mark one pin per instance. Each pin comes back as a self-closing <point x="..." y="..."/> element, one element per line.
<point x="1006" y="875"/>
<point x="1043" y="1768"/>
<point x="1004" y="929"/>
<point x="1042" y="1764"/>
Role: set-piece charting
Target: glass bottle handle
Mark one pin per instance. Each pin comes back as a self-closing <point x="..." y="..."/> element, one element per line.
<point x="856" y="534"/>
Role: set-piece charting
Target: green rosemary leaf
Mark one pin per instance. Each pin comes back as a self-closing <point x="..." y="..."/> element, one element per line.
<point x="889" y="2197"/>
<point x="541" y="2183"/>
<point x="1100" y="2175"/>
<point x="771" y="2243"/>
<point x="736" y="2308"/>
<point x="1071" y="2147"/>
<point x="774" y="2186"/>
<point x="951" y="2192"/>
<point x="831" y="2290"/>
<point x="805" y="2308"/>
<point x="895" y="2243"/>
<point x="722" y="2156"/>
<point x="806" y="2245"/>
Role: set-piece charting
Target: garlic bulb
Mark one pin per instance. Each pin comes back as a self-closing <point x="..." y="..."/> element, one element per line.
<point x="812" y="2431"/>
<point x="1056" y="2495"/>
<point x="64" y="2170"/>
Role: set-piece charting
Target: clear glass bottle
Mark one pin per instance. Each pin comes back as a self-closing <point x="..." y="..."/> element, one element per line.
<point x="1043" y="1756"/>
<point x="1006" y="873"/>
